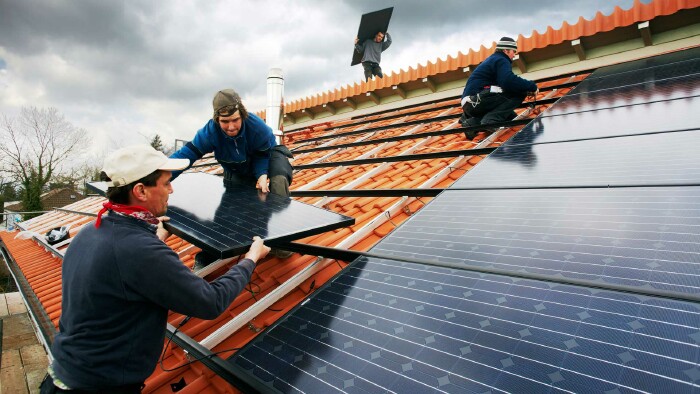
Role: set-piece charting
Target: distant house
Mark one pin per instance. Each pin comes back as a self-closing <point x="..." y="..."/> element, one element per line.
<point x="52" y="199"/>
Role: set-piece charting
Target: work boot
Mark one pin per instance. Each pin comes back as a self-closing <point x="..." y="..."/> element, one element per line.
<point x="471" y="122"/>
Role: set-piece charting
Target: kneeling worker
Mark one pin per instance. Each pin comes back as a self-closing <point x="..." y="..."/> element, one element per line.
<point x="492" y="91"/>
<point x="120" y="279"/>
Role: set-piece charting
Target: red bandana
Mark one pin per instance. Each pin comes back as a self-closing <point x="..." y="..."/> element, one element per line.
<point x="136" y="211"/>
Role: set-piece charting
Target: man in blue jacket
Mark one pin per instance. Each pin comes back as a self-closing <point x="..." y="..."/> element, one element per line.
<point x="244" y="146"/>
<point x="371" y="50"/>
<point x="120" y="279"/>
<point x="493" y="91"/>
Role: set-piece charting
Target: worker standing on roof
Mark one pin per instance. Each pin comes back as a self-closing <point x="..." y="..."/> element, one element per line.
<point x="245" y="147"/>
<point x="120" y="279"/>
<point x="492" y="91"/>
<point x="371" y="50"/>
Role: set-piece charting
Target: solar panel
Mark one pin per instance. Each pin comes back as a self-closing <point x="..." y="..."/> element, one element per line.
<point x="223" y="220"/>
<point x="370" y="24"/>
<point x="668" y="60"/>
<point x="386" y="326"/>
<point x="605" y="80"/>
<point x="656" y="159"/>
<point x="638" y="237"/>
<point x="659" y="90"/>
<point x="678" y="114"/>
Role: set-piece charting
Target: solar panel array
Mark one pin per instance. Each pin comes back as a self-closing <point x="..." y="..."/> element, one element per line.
<point x="568" y="260"/>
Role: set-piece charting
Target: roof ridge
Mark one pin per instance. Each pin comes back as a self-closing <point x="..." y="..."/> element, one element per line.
<point x="582" y="28"/>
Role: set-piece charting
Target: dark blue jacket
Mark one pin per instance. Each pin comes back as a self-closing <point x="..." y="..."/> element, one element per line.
<point x="119" y="281"/>
<point x="247" y="154"/>
<point x="497" y="70"/>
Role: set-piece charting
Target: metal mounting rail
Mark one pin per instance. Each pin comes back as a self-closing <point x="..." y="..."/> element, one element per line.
<point x="414" y="122"/>
<point x="367" y="193"/>
<point x="416" y="136"/>
<point x="421" y="156"/>
<point x="219" y="366"/>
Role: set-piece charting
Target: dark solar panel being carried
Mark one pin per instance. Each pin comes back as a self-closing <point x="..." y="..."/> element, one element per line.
<point x="223" y="220"/>
<point x="521" y="287"/>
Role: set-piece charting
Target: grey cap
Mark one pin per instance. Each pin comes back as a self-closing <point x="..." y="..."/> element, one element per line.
<point x="226" y="102"/>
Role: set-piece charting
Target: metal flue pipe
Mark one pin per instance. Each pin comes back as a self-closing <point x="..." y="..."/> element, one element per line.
<point x="275" y="104"/>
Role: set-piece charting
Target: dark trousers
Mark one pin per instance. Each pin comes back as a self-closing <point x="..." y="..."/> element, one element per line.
<point x="279" y="173"/>
<point x="47" y="387"/>
<point x="492" y="108"/>
<point x="372" y="68"/>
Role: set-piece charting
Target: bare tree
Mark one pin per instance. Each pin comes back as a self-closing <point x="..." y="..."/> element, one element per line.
<point x="35" y="146"/>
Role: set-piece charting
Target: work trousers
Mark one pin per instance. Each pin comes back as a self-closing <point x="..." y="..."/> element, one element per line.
<point x="279" y="173"/>
<point x="492" y="107"/>
<point x="372" y="68"/>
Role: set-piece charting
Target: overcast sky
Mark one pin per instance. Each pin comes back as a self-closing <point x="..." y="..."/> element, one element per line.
<point x="122" y="69"/>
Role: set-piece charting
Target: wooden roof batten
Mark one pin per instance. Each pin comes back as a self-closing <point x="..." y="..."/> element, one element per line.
<point x="536" y="47"/>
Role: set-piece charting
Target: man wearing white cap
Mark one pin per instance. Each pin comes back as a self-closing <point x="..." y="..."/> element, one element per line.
<point x="120" y="279"/>
<point x="492" y="91"/>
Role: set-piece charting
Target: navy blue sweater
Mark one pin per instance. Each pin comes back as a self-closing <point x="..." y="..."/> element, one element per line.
<point x="119" y="281"/>
<point x="497" y="70"/>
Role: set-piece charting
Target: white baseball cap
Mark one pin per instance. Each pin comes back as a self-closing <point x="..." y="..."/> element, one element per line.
<point x="134" y="162"/>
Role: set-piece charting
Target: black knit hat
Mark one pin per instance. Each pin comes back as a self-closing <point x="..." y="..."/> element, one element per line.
<point x="507" y="43"/>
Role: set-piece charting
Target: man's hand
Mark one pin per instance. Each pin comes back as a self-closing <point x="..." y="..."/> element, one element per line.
<point x="258" y="250"/>
<point x="262" y="184"/>
<point x="161" y="232"/>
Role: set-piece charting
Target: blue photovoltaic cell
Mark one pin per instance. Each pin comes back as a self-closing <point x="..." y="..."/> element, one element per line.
<point x="656" y="159"/>
<point x="638" y="237"/>
<point x="224" y="220"/>
<point x="688" y="59"/>
<point x="658" y="90"/>
<point x="386" y="326"/>
<point x="601" y="81"/>
<point x="660" y="116"/>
